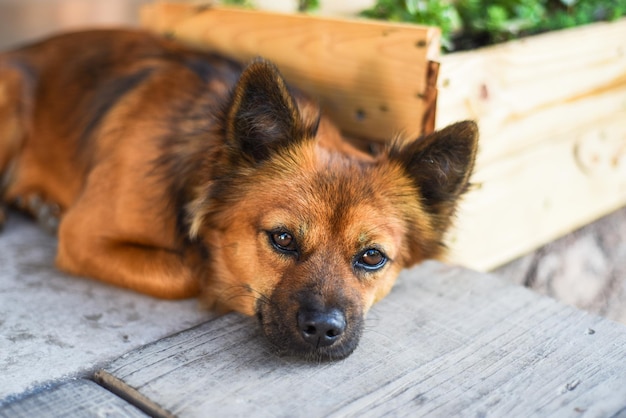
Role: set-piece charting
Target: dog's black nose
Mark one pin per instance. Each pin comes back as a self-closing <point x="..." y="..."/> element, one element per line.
<point x="321" y="329"/>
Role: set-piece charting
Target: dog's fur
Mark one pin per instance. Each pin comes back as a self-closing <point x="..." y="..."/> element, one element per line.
<point x="175" y="173"/>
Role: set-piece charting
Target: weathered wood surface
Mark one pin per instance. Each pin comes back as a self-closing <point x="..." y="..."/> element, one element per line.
<point x="447" y="341"/>
<point x="552" y="116"/>
<point x="75" y="399"/>
<point x="372" y="77"/>
<point x="53" y="326"/>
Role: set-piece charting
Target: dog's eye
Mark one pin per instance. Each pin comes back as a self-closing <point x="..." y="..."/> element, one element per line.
<point x="372" y="259"/>
<point x="284" y="241"/>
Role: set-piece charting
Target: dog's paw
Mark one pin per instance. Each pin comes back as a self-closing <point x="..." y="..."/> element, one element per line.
<point x="47" y="214"/>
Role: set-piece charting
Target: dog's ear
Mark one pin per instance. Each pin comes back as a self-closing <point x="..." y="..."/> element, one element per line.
<point x="440" y="164"/>
<point x="263" y="116"/>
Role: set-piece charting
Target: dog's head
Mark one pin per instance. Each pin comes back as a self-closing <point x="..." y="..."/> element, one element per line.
<point x="307" y="238"/>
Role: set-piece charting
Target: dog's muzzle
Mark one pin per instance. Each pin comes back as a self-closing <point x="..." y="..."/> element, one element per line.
<point x="311" y="333"/>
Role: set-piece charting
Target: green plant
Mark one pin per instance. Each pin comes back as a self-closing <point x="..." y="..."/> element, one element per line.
<point x="249" y="4"/>
<point x="427" y="12"/>
<point x="469" y="23"/>
<point x="308" y="5"/>
<point x="303" y="5"/>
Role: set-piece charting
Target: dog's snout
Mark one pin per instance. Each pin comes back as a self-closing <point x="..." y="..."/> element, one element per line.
<point x="321" y="329"/>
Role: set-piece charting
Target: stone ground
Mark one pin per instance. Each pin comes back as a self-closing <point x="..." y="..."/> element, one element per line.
<point x="586" y="268"/>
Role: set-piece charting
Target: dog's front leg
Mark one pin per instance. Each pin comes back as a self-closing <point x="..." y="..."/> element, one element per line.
<point x="141" y="265"/>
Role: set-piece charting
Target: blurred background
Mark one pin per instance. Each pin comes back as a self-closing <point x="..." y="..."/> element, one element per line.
<point x="23" y="20"/>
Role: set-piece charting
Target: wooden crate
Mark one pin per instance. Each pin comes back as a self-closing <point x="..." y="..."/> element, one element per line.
<point x="551" y="109"/>
<point x="373" y="78"/>
<point x="552" y="115"/>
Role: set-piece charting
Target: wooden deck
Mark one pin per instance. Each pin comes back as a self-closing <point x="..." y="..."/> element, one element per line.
<point x="447" y="342"/>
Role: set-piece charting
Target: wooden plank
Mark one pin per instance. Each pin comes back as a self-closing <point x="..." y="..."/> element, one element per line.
<point x="526" y="92"/>
<point x="54" y="326"/>
<point x="552" y="116"/>
<point x="76" y="399"/>
<point x="446" y="342"/>
<point x="542" y="193"/>
<point x="371" y="77"/>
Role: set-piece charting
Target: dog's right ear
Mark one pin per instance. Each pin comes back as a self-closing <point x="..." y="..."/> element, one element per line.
<point x="263" y="116"/>
<point x="440" y="165"/>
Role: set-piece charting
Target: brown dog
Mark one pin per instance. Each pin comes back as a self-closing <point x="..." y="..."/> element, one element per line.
<point x="175" y="173"/>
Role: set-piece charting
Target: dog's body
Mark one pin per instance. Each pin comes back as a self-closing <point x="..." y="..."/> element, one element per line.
<point x="175" y="174"/>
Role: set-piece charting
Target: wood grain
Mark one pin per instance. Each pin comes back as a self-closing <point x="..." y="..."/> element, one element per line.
<point x="552" y="117"/>
<point x="371" y="77"/>
<point x="537" y="195"/>
<point x="529" y="91"/>
<point x="76" y="399"/>
<point x="446" y="342"/>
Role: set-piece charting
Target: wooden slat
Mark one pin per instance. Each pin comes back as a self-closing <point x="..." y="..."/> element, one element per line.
<point x="446" y="342"/>
<point x="76" y="399"/>
<point x="526" y="92"/>
<point x="371" y="77"/>
<point x="526" y="200"/>
<point x="552" y="117"/>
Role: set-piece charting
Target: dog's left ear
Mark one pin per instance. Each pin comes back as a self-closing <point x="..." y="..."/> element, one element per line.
<point x="440" y="164"/>
<point x="263" y="116"/>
